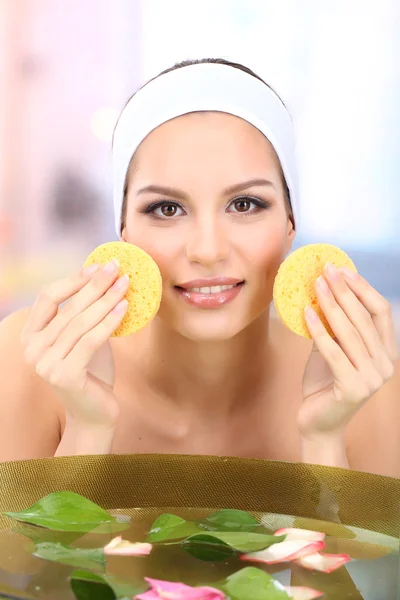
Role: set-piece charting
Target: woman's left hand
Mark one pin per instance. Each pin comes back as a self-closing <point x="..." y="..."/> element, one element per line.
<point x="343" y="373"/>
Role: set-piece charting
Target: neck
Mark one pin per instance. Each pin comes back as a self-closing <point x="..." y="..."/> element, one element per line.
<point x="226" y="372"/>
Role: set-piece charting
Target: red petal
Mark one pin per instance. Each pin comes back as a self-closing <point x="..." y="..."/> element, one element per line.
<point x="284" y="552"/>
<point x="301" y="534"/>
<point x="326" y="563"/>
<point x="302" y="593"/>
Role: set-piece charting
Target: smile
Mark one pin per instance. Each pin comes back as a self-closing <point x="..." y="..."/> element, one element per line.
<point x="211" y="296"/>
<point x="215" y="289"/>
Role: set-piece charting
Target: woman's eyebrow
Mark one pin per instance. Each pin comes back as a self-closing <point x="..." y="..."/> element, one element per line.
<point x="164" y="191"/>
<point x="238" y="187"/>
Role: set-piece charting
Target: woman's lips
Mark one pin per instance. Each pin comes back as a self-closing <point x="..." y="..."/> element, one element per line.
<point x="212" y="299"/>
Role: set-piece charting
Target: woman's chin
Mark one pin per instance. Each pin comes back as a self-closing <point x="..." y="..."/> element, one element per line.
<point x="210" y="330"/>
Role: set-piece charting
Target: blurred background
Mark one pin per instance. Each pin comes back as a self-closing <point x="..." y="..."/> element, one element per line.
<point x="67" y="68"/>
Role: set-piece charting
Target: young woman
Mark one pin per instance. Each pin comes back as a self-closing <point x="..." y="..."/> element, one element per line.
<point x="205" y="182"/>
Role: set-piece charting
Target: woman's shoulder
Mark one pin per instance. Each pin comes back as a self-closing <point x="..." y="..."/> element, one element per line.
<point x="29" y="409"/>
<point x="11" y="327"/>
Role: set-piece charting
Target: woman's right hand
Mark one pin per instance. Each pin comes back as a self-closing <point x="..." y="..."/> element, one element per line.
<point x="69" y="345"/>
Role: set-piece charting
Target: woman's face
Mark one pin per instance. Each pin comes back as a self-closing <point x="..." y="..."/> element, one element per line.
<point x="206" y="201"/>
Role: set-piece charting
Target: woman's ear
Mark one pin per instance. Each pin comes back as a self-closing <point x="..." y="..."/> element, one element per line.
<point x="290" y="234"/>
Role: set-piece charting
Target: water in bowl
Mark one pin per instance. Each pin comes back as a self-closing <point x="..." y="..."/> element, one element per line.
<point x="373" y="574"/>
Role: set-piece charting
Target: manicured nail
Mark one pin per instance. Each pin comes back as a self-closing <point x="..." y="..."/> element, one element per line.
<point x="90" y="270"/>
<point x="311" y="315"/>
<point x="111" y="267"/>
<point x="348" y="273"/>
<point x="121" y="282"/>
<point x="121" y="307"/>
<point x="323" y="286"/>
<point x="331" y="271"/>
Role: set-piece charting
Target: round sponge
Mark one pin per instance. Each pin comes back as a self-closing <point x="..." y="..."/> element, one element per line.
<point x="145" y="283"/>
<point x="294" y="283"/>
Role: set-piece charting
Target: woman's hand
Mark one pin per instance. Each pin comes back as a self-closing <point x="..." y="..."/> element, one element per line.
<point x="343" y="373"/>
<point x="68" y="345"/>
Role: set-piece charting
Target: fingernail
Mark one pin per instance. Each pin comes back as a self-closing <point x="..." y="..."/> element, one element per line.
<point x="121" y="282"/>
<point x="323" y="286"/>
<point x="121" y="307"/>
<point x="348" y="273"/>
<point x="311" y="315"/>
<point x="90" y="269"/>
<point x="331" y="271"/>
<point x="111" y="267"/>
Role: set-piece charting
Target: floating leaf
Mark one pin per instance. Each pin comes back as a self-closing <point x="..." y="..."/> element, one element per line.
<point x="67" y="511"/>
<point x="230" y="520"/>
<point x="253" y="584"/>
<point x="208" y="548"/>
<point x="88" y="586"/>
<point x="121" y="591"/>
<point x="241" y="541"/>
<point x="91" y="558"/>
<point x="171" y="527"/>
<point x="38" y="534"/>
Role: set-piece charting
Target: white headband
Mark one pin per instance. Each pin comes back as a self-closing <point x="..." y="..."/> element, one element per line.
<point x="203" y="87"/>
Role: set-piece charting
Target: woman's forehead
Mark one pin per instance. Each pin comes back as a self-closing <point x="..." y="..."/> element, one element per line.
<point x="198" y="140"/>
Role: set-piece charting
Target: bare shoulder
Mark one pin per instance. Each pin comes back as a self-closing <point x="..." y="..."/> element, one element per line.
<point x="29" y="410"/>
<point x="373" y="436"/>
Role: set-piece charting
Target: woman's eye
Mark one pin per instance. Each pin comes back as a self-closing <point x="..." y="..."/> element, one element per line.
<point x="167" y="210"/>
<point x="245" y="204"/>
<point x="242" y="204"/>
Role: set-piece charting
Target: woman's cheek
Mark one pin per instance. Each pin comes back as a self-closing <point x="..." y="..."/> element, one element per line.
<point x="266" y="251"/>
<point x="163" y="249"/>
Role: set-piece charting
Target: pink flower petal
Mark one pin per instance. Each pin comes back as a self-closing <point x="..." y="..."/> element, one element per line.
<point x="284" y="551"/>
<point x="121" y="547"/>
<point x="149" y="595"/>
<point x="166" y="590"/>
<point x="327" y="563"/>
<point x="301" y="593"/>
<point x="301" y="534"/>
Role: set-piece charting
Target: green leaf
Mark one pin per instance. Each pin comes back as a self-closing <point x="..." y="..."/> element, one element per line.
<point x="91" y="587"/>
<point x="241" y="541"/>
<point x="38" y="534"/>
<point x="253" y="584"/>
<point x="122" y="591"/>
<point x="207" y="547"/>
<point x="67" y="511"/>
<point x="171" y="527"/>
<point x="230" y="520"/>
<point x="88" y="558"/>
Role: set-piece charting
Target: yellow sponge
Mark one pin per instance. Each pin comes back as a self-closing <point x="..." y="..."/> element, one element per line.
<point x="294" y="283"/>
<point x="145" y="287"/>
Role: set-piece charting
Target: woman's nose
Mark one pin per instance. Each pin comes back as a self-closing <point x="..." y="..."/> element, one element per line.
<point x="207" y="243"/>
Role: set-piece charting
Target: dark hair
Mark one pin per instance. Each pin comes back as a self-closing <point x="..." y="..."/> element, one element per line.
<point x="220" y="61"/>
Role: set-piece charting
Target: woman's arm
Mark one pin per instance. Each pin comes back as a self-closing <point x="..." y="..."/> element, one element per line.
<point x="29" y="413"/>
<point x="79" y="440"/>
<point x="329" y="451"/>
<point x="373" y="435"/>
<point x="351" y="381"/>
<point x="371" y="442"/>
